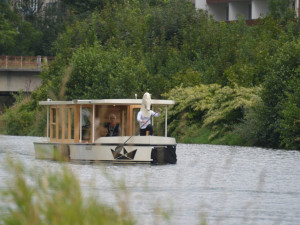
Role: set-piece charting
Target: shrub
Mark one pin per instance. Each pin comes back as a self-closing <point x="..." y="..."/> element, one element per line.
<point x="212" y="106"/>
<point x="19" y="118"/>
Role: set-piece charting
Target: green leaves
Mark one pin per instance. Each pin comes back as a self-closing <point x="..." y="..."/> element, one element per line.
<point x="290" y="121"/>
<point x="98" y="73"/>
<point x="225" y="76"/>
<point x="280" y="10"/>
<point x="7" y="34"/>
<point x="17" y="36"/>
<point x="19" y="118"/>
<point x="220" y="107"/>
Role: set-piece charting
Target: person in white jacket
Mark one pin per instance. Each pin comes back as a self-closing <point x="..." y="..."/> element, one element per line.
<point x="145" y="122"/>
<point x="145" y="114"/>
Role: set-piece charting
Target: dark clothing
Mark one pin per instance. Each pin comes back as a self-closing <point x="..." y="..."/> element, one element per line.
<point x="112" y="131"/>
<point x="148" y="128"/>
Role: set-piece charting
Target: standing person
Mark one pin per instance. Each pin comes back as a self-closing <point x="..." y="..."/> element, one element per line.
<point x="145" y="114"/>
<point x="113" y="128"/>
<point x="145" y="121"/>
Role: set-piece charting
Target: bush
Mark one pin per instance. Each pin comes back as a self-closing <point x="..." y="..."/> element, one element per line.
<point x="18" y="119"/>
<point x="24" y="117"/>
<point x="290" y="122"/>
<point x="211" y="106"/>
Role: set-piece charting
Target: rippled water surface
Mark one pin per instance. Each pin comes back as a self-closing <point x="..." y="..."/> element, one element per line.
<point x="221" y="184"/>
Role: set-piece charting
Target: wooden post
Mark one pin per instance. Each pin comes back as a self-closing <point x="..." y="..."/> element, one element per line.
<point x="69" y="122"/>
<point x="80" y="123"/>
<point x="166" y="122"/>
<point x="63" y="122"/>
<point x="76" y="123"/>
<point x="51" y="123"/>
<point x="129" y="121"/>
<point x="57" y="123"/>
<point x="93" y="125"/>
<point x="48" y="121"/>
<point x="123" y="123"/>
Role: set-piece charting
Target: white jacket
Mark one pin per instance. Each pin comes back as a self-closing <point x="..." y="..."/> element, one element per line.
<point x="145" y="121"/>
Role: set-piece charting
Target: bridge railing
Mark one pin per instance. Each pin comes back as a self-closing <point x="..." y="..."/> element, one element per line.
<point x="24" y="62"/>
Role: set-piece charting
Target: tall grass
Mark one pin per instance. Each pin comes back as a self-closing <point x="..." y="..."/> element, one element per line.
<point x="53" y="197"/>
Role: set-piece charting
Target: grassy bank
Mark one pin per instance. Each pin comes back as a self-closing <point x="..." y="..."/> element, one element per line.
<point x="204" y="136"/>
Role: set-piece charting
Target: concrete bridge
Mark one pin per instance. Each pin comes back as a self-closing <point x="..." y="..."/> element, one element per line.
<point x="19" y="73"/>
<point x="14" y="80"/>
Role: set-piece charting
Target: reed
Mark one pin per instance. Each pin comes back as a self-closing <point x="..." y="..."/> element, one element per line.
<point x="52" y="197"/>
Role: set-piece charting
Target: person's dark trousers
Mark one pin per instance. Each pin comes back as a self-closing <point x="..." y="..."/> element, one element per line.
<point x="148" y="128"/>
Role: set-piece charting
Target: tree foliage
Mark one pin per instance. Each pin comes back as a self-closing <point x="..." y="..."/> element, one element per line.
<point x="96" y="69"/>
<point x="228" y="77"/>
<point x="17" y="36"/>
<point x="290" y="122"/>
<point x="212" y="105"/>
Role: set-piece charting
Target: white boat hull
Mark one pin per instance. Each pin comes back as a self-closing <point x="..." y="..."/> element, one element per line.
<point x="135" y="149"/>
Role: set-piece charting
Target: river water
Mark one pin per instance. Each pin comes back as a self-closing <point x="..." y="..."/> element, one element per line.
<point x="220" y="184"/>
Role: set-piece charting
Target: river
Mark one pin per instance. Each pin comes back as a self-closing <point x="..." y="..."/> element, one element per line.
<point x="222" y="184"/>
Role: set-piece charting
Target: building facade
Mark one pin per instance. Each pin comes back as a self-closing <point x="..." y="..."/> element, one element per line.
<point x="229" y="10"/>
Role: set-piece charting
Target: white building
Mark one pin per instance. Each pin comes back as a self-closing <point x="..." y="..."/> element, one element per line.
<point x="231" y="9"/>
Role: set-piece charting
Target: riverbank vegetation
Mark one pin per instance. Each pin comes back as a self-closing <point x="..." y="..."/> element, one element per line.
<point x="232" y="83"/>
<point x="46" y="196"/>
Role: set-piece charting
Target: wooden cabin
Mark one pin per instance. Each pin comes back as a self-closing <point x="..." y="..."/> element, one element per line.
<point x="82" y="121"/>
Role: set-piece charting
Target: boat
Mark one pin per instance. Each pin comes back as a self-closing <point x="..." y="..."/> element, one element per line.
<point x="76" y="132"/>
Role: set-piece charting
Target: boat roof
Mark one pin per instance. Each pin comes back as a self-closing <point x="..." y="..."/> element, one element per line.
<point x="106" y="102"/>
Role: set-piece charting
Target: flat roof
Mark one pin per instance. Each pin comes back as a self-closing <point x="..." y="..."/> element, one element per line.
<point x="107" y="102"/>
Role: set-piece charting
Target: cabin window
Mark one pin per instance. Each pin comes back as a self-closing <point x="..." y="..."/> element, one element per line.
<point x="68" y="123"/>
<point x="102" y="119"/>
<point x="61" y="123"/>
<point x="132" y="127"/>
<point x="135" y="123"/>
<point x="86" y="119"/>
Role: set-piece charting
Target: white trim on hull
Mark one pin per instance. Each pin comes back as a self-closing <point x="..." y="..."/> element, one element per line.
<point x="137" y="149"/>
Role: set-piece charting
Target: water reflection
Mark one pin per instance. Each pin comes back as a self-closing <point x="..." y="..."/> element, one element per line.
<point x="224" y="184"/>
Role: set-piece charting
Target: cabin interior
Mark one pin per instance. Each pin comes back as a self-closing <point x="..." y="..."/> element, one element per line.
<point x="77" y="124"/>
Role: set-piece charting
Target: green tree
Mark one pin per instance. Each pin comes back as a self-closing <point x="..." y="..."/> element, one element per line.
<point x="7" y="34"/>
<point x="105" y="74"/>
<point x="213" y="106"/>
<point x="52" y="22"/>
<point x="281" y="9"/>
<point x="20" y="117"/>
<point x="18" y="37"/>
<point x="282" y="69"/>
<point x="290" y="122"/>
<point x="124" y="47"/>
